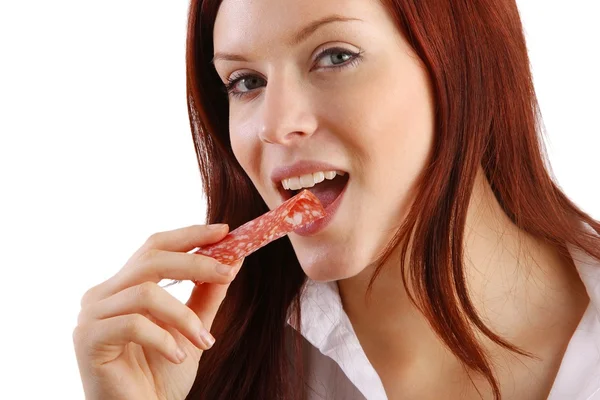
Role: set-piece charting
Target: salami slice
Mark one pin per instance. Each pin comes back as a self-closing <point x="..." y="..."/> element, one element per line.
<point x="300" y="210"/>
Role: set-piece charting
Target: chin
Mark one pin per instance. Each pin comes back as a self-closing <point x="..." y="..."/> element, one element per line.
<point x="323" y="269"/>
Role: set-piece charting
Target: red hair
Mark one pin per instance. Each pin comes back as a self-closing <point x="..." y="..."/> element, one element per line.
<point x="487" y="117"/>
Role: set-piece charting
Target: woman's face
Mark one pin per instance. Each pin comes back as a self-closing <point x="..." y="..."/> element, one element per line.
<point x="319" y="86"/>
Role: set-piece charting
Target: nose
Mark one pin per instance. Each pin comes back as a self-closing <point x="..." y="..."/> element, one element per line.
<point x="286" y="116"/>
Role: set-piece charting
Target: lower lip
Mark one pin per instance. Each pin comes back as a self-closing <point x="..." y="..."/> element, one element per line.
<point x="320" y="224"/>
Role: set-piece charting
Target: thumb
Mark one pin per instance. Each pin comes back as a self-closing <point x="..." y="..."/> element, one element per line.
<point x="206" y="298"/>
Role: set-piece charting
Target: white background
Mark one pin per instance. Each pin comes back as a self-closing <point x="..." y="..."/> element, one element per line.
<point x="96" y="153"/>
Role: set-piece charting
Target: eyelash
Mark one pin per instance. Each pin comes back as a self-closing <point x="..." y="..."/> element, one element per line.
<point x="355" y="59"/>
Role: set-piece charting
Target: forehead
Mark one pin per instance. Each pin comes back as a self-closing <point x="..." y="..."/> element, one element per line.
<point x="269" y="22"/>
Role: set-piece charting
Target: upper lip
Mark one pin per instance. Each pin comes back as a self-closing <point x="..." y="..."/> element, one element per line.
<point x="300" y="168"/>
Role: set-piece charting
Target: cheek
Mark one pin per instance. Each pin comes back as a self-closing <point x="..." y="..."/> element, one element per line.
<point x="407" y="127"/>
<point x="245" y="147"/>
<point x="388" y="124"/>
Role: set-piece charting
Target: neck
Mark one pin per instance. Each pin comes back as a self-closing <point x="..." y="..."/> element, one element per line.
<point x="511" y="277"/>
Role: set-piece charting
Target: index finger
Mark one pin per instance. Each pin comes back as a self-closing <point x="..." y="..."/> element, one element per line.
<point x="185" y="239"/>
<point x="178" y="240"/>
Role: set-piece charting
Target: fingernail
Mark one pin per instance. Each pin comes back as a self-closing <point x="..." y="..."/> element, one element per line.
<point x="216" y="227"/>
<point x="180" y="354"/>
<point x="223" y="269"/>
<point x="207" y="338"/>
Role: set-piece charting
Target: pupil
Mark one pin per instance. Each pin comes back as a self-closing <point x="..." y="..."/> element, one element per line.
<point x="339" y="57"/>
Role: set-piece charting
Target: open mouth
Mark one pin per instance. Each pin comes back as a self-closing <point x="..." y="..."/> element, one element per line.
<point x="326" y="191"/>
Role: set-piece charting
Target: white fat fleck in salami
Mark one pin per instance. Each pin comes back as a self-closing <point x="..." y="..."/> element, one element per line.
<point x="297" y="219"/>
<point x="300" y="210"/>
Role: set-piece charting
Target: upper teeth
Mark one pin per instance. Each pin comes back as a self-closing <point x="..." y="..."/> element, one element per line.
<point x="309" y="180"/>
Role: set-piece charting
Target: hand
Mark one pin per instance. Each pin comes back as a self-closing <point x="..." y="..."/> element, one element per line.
<point x="134" y="340"/>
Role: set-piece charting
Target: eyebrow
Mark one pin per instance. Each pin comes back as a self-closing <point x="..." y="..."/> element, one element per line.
<point x="298" y="38"/>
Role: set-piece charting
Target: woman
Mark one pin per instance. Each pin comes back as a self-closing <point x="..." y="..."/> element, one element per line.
<point x="450" y="266"/>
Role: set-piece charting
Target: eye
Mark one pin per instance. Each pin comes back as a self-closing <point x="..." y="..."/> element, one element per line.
<point x="335" y="57"/>
<point x="241" y="84"/>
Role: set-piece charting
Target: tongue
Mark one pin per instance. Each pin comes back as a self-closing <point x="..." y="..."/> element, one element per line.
<point x="329" y="190"/>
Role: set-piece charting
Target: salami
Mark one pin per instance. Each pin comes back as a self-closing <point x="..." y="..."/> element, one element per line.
<point x="302" y="209"/>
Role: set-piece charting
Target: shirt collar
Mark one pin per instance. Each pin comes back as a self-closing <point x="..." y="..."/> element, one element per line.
<point x="579" y="375"/>
<point x="325" y="325"/>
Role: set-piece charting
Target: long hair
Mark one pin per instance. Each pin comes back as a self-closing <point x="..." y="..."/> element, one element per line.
<point x="487" y="116"/>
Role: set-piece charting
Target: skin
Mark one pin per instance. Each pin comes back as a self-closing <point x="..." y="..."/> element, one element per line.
<point x="373" y="118"/>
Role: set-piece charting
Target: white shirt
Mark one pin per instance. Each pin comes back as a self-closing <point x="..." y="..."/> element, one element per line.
<point x="338" y="368"/>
